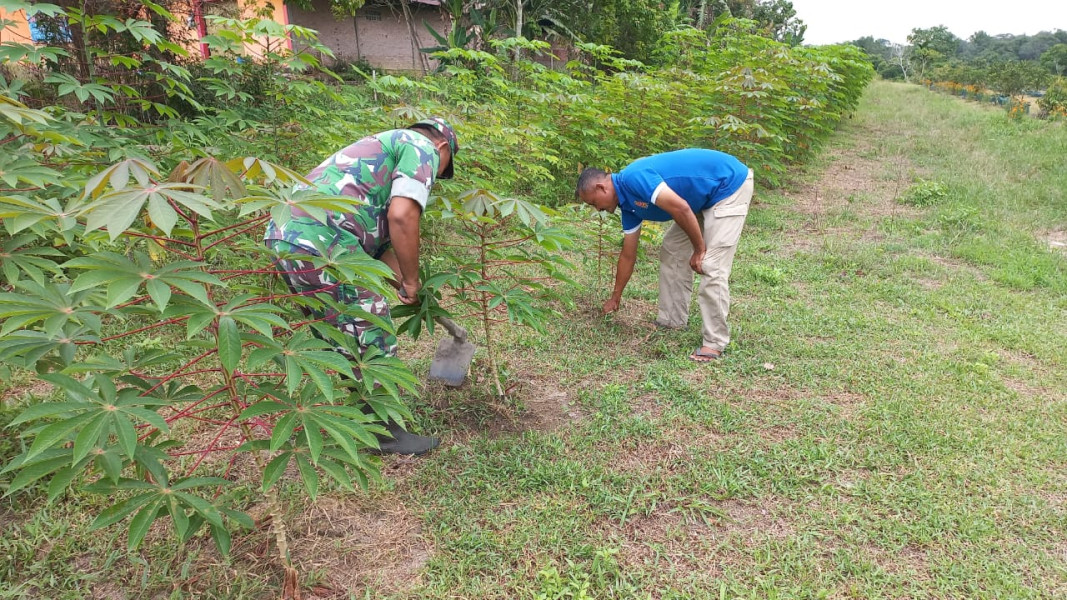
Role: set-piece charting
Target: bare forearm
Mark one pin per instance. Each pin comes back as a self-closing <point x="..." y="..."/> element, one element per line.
<point x="404" y="214"/>
<point x="623" y="273"/>
<point x="680" y="211"/>
<point x="689" y="224"/>
<point x="627" y="258"/>
<point x="406" y="245"/>
<point x="389" y="258"/>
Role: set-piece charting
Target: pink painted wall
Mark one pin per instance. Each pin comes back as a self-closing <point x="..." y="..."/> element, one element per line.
<point x="377" y="34"/>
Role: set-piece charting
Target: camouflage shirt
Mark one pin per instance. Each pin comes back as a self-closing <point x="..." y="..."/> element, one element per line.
<point x="399" y="162"/>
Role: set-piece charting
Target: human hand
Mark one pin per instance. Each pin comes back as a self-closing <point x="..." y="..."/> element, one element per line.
<point x="697" y="260"/>
<point x="611" y="305"/>
<point x="409" y="292"/>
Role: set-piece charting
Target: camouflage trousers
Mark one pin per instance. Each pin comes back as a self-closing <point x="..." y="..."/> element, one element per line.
<point x="303" y="278"/>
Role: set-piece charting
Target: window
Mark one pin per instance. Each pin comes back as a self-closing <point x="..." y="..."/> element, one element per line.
<point x="228" y="9"/>
<point x="373" y="15"/>
<point x="48" y="30"/>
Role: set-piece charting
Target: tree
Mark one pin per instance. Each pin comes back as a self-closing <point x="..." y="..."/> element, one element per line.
<point x="932" y="47"/>
<point x="1016" y="77"/>
<point x="880" y="52"/>
<point x="632" y="26"/>
<point x="1033" y="47"/>
<point x="899" y="54"/>
<point x="1055" y="59"/>
<point x="1054" y="102"/>
<point x="703" y="13"/>
<point x="779" y="19"/>
<point x="939" y="39"/>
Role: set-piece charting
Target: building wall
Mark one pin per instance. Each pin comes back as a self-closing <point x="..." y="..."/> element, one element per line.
<point x="336" y="34"/>
<point x="280" y="15"/>
<point x="19" y="32"/>
<point x="183" y="29"/>
<point x="377" y="34"/>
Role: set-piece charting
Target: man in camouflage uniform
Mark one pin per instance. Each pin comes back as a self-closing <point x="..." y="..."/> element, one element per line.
<point x="392" y="172"/>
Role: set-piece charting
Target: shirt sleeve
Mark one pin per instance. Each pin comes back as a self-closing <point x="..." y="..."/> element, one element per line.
<point x="416" y="167"/>
<point x="659" y="188"/>
<point x="630" y="221"/>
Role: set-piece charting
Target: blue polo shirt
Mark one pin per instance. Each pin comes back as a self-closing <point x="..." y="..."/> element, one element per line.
<point x="701" y="177"/>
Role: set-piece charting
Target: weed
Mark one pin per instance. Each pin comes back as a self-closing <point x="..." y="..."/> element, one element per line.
<point x="924" y="193"/>
<point x="770" y="275"/>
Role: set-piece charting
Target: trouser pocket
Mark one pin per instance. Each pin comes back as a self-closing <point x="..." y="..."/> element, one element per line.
<point x="724" y="221"/>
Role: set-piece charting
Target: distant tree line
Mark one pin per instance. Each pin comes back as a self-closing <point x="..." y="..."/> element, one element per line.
<point x="937" y="47"/>
<point x="1000" y="67"/>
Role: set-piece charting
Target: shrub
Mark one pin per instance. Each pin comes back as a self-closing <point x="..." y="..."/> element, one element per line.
<point x="924" y="193"/>
<point x="1054" y="101"/>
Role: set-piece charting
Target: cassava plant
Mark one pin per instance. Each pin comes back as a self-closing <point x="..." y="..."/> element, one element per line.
<point x="147" y="303"/>
<point x="117" y="61"/>
<point x="500" y="267"/>
<point x="269" y="87"/>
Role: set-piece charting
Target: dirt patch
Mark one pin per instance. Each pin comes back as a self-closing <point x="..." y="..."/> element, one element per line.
<point x="1024" y="388"/>
<point x="929" y="284"/>
<point x="9" y="519"/>
<point x="853" y="183"/>
<point x="359" y="548"/>
<point x="648" y="406"/>
<point x="774" y="397"/>
<point x="847" y="404"/>
<point x="634" y="314"/>
<point x="700" y="538"/>
<point x="850" y="478"/>
<point x="671" y="542"/>
<point x="908" y="560"/>
<point x="532" y="404"/>
<point x="777" y="434"/>
<point x="107" y="591"/>
<point x="38" y="388"/>
<point x="1057" y="240"/>
<point x="547" y="407"/>
<point x="665" y="456"/>
<point x="954" y="265"/>
<point x="341" y="546"/>
<point x="1029" y="366"/>
<point x="1023" y="359"/>
<point x="751" y="521"/>
<point x="850" y="180"/>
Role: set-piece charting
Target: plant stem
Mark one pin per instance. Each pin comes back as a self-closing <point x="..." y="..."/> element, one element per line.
<point x="486" y="321"/>
<point x="291" y="585"/>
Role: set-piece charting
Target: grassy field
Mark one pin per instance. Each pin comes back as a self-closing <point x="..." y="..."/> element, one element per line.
<point x="890" y="421"/>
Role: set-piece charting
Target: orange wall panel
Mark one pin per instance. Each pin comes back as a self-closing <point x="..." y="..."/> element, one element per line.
<point x="18" y="32"/>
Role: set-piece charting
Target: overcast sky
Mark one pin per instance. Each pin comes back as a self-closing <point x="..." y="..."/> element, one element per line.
<point x="832" y="21"/>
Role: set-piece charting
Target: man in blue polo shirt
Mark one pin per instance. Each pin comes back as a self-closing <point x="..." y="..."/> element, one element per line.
<point x="706" y="193"/>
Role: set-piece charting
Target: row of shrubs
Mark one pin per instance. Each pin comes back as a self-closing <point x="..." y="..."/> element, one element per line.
<point x="526" y="129"/>
<point x="1051" y="102"/>
<point x="1007" y="83"/>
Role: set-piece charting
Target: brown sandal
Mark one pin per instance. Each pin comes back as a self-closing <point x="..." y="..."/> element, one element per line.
<point x="702" y="355"/>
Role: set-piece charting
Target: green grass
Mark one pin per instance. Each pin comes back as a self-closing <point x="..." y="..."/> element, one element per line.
<point x="890" y="421"/>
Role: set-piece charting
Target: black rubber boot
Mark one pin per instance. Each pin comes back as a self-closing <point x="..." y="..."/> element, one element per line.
<point x="402" y="442"/>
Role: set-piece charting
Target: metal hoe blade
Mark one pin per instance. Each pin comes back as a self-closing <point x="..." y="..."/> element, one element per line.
<point x="453" y="358"/>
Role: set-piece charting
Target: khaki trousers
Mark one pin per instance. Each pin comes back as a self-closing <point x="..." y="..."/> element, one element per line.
<point x="721" y="226"/>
